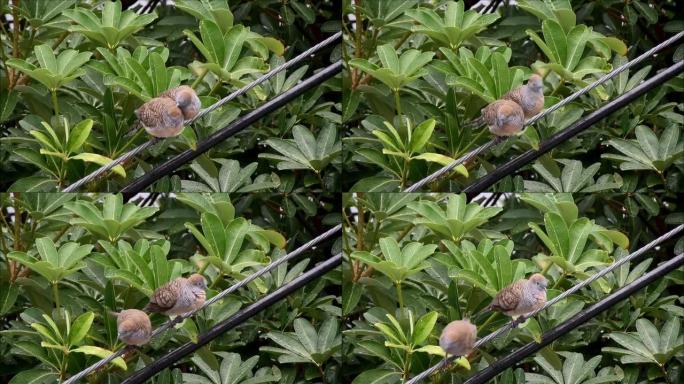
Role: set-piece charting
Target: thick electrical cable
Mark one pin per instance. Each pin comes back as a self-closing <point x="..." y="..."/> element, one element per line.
<point x="447" y="168"/>
<point x="668" y="235"/>
<point x="164" y="327"/>
<point x="128" y="155"/>
<point x="240" y="317"/>
<point x="580" y="318"/>
<point x="172" y="164"/>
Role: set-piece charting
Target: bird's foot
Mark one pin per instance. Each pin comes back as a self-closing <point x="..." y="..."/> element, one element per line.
<point x="516" y="322"/>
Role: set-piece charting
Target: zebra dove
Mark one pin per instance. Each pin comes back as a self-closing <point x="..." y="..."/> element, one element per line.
<point x="179" y="296"/>
<point x="186" y="99"/>
<point x="529" y="96"/>
<point x="520" y="298"/>
<point x="504" y="117"/>
<point x="161" y="117"/>
<point x="458" y="338"/>
<point x="133" y="326"/>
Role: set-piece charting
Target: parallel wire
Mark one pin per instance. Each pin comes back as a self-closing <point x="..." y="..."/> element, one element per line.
<point x="444" y="363"/>
<point x="233" y="321"/>
<point x="447" y="168"/>
<point x="172" y="164"/>
<point x="128" y="155"/>
<point x="575" y="321"/>
<point x="305" y="247"/>
<point x="512" y="165"/>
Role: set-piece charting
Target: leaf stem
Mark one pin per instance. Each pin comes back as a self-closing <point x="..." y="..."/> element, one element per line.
<point x="214" y="88"/>
<point x="199" y="78"/>
<point x="489" y="320"/>
<point x="55" y="292"/>
<point x="400" y="295"/>
<point x="397" y="102"/>
<point x="54" y="101"/>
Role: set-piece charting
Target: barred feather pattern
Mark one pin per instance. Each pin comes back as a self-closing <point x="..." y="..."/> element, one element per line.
<point x="531" y="100"/>
<point x="504" y="117"/>
<point x="161" y="117"/>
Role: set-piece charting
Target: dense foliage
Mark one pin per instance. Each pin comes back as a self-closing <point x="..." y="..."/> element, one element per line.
<point x="419" y="70"/>
<point x="74" y="71"/>
<point x="415" y="262"/>
<point x="67" y="259"/>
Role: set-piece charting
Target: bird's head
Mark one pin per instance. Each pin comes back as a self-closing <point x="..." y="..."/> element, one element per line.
<point x="539" y="281"/>
<point x="197" y="280"/>
<point x="535" y="83"/>
<point x="185" y="96"/>
<point x="132" y="320"/>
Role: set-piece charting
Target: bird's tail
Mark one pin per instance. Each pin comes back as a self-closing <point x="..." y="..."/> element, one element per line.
<point x="153" y="308"/>
<point x="474" y="123"/>
<point x="134" y="128"/>
<point x="484" y="310"/>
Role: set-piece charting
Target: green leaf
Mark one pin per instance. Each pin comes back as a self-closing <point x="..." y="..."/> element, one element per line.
<point x="377" y="376"/>
<point x="421" y="135"/>
<point x="35" y="376"/>
<point x="8" y="296"/>
<point x="80" y="327"/>
<point x="79" y="134"/>
<point x="423" y="327"/>
<point x="101" y="353"/>
<point x="46" y="58"/>
<point x="99" y="160"/>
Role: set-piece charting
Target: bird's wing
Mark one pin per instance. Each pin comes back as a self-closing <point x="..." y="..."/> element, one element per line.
<point x="170" y="93"/>
<point x="508" y="298"/>
<point x="164" y="298"/>
<point x="488" y="113"/>
<point x="514" y="95"/>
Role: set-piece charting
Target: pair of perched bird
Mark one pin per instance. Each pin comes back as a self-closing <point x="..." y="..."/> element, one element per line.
<point x="517" y="299"/>
<point x="175" y="298"/>
<point x="506" y="116"/>
<point x="163" y="116"/>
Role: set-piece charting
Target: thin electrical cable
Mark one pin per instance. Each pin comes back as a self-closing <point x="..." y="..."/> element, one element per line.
<point x="241" y="316"/>
<point x="92" y="176"/>
<point x="443" y="363"/>
<point x="305" y="247"/>
<point x="173" y="163"/>
<point x="580" y="318"/>
<point x="447" y="168"/>
<point x="511" y="166"/>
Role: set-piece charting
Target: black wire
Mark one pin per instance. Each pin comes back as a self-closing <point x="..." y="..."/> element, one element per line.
<point x="580" y="318"/>
<point x="238" y="318"/>
<point x="513" y="165"/>
<point x="491" y="7"/>
<point x="172" y="164"/>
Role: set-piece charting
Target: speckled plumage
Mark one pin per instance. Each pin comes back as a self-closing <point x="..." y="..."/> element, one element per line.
<point x="179" y="296"/>
<point x="161" y="117"/>
<point x="504" y="117"/>
<point x="521" y="297"/>
<point x="530" y="96"/>
<point x="458" y="337"/>
<point x="186" y="99"/>
<point x="133" y="326"/>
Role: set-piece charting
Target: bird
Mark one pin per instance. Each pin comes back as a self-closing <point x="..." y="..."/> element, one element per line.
<point x="458" y="338"/>
<point x="161" y="117"/>
<point x="178" y="297"/>
<point x="133" y="326"/>
<point x="504" y="117"/>
<point x="520" y="298"/>
<point x="530" y="96"/>
<point x="186" y="99"/>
